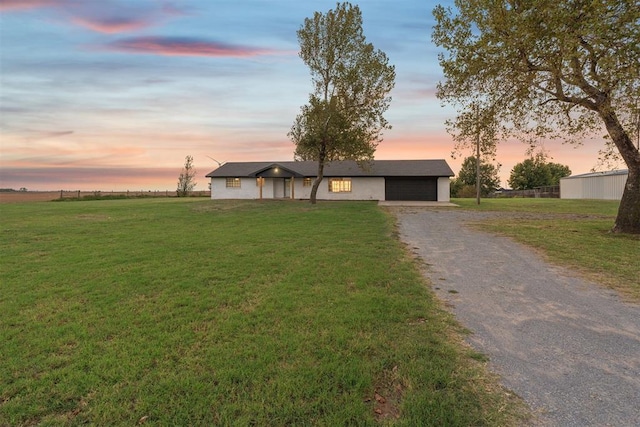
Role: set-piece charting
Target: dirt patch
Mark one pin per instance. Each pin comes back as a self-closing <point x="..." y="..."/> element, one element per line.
<point x="387" y="396"/>
<point x="28" y="196"/>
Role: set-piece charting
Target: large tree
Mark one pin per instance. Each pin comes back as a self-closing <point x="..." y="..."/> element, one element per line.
<point x="344" y="117"/>
<point x="549" y="68"/>
<point x="558" y="171"/>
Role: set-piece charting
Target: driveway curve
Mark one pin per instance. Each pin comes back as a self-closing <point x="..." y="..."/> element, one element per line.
<point x="568" y="347"/>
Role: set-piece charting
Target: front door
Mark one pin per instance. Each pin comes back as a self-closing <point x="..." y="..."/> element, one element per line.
<point x="287" y="188"/>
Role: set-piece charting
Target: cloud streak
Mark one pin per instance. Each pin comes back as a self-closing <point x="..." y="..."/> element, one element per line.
<point x="15" y="5"/>
<point x="112" y="25"/>
<point x="48" y="135"/>
<point x="182" y="46"/>
<point x="104" y="16"/>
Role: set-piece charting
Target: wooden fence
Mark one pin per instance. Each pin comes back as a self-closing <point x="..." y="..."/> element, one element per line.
<point x="551" y="191"/>
<point x="77" y="194"/>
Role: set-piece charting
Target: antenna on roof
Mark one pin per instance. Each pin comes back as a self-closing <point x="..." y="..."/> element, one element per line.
<point x="219" y="163"/>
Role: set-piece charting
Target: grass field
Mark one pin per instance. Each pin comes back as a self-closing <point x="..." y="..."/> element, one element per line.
<point x="572" y="233"/>
<point x="195" y="312"/>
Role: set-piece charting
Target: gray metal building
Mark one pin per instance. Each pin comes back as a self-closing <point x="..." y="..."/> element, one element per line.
<point x="595" y="185"/>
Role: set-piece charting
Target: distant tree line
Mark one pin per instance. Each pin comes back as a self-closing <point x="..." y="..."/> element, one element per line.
<point x="526" y="175"/>
<point x="11" y="190"/>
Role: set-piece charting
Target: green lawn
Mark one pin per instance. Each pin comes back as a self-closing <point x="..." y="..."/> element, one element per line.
<point x="193" y="312"/>
<point x="572" y="233"/>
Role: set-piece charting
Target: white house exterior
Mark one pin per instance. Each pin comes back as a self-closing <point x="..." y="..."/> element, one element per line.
<point x="595" y="185"/>
<point x="376" y="180"/>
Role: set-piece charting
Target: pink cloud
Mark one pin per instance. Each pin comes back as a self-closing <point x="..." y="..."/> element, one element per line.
<point x="9" y="5"/>
<point x="177" y="46"/>
<point x="104" y="16"/>
<point x="112" y="25"/>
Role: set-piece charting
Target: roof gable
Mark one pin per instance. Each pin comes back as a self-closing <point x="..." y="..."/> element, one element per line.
<point x="276" y="170"/>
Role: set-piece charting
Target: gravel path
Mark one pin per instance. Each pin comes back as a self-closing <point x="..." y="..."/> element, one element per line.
<point x="569" y="348"/>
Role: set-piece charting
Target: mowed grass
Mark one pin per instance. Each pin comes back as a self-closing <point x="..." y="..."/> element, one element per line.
<point x="572" y="233"/>
<point x="192" y="312"/>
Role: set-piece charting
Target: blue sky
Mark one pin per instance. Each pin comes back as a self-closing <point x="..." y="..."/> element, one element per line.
<point x="113" y="94"/>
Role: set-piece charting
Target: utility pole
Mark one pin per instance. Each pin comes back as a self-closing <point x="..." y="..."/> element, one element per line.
<point x="477" y="156"/>
<point x="478" y="168"/>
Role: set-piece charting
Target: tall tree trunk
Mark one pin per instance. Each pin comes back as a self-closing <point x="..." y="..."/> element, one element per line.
<point x="322" y="158"/>
<point x="316" y="182"/>
<point x="628" y="218"/>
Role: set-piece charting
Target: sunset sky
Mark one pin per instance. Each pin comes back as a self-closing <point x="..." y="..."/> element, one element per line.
<point x="113" y="94"/>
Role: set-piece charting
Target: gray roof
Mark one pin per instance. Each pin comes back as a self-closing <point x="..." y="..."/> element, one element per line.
<point x="596" y="174"/>
<point x="375" y="168"/>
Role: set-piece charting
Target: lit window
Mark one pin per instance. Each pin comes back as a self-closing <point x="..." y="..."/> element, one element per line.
<point x="233" y="182"/>
<point x="306" y="182"/>
<point x="340" y="185"/>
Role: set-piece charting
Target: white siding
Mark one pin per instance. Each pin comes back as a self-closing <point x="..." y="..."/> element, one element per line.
<point x="361" y="189"/>
<point x="444" y="190"/>
<point x="247" y="190"/>
<point x="301" y="192"/>
<point x="606" y="187"/>
<point x="571" y="188"/>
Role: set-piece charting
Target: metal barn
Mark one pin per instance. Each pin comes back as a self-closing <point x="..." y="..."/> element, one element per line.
<point x="595" y="185"/>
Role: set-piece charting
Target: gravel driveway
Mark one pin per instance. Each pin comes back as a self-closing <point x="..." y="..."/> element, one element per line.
<point x="569" y="348"/>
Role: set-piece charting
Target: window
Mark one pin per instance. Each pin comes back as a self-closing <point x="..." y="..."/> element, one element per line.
<point x="340" y="185"/>
<point x="306" y="182"/>
<point x="233" y="182"/>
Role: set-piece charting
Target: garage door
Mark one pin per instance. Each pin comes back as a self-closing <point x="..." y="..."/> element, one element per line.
<point x="411" y="189"/>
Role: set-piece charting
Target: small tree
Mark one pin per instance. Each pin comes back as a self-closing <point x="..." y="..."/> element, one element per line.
<point x="186" y="182"/>
<point x="489" y="180"/>
<point x="344" y="118"/>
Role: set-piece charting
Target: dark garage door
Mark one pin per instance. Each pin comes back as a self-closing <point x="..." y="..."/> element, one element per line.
<point x="411" y="189"/>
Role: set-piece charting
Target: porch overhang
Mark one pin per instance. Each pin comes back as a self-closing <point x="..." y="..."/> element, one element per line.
<point x="276" y="171"/>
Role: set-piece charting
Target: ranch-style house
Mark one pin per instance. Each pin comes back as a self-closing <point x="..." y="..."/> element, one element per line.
<point x="345" y="180"/>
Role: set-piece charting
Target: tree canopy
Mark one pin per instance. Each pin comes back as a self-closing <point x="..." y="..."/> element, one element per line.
<point x="555" y="69"/>
<point x="352" y="81"/>
<point x="536" y="172"/>
<point x="489" y="180"/>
